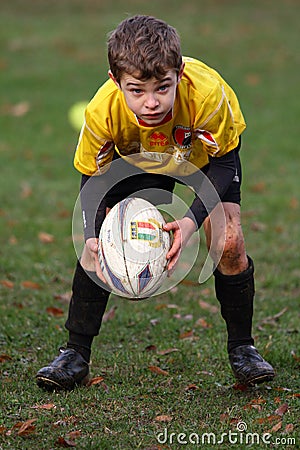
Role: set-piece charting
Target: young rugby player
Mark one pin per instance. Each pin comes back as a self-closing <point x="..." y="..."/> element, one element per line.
<point x="156" y="104"/>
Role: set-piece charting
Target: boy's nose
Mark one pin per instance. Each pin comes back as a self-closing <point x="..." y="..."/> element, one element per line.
<point x="151" y="101"/>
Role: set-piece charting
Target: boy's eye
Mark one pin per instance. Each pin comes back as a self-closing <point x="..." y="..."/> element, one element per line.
<point x="136" y="91"/>
<point x="164" y="87"/>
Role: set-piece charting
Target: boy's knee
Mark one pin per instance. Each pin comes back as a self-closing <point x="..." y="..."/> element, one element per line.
<point x="233" y="258"/>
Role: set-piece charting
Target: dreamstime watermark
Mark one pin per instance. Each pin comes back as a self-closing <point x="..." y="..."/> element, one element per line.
<point x="238" y="437"/>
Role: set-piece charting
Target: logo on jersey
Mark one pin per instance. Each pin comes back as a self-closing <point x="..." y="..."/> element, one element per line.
<point x="182" y="136"/>
<point x="158" y="139"/>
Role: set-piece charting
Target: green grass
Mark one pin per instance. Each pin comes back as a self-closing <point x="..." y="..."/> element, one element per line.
<point x="52" y="54"/>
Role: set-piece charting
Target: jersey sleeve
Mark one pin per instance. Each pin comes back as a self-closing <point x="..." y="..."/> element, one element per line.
<point x="219" y="122"/>
<point x="95" y="148"/>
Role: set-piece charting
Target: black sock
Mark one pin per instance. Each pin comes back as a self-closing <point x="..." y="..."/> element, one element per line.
<point x="81" y="343"/>
<point x="86" y="310"/>
<point x="235" y="294"/>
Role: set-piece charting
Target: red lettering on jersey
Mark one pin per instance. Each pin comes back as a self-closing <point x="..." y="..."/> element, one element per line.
<point x="158" y="139"/>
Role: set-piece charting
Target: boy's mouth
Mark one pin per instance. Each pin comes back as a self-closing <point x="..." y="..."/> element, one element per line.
<point x="154" y="116"/>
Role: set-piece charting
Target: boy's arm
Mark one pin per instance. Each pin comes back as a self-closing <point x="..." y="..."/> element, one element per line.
<point x="93" y="204"/>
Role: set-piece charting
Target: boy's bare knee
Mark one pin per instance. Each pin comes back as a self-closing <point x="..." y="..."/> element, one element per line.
<point x="233" y="259"/>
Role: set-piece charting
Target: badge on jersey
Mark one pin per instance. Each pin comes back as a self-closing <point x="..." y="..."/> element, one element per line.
<point x="182" y="136"/>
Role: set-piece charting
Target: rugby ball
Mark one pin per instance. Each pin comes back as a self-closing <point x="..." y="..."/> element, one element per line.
<point x="133" y="247"/>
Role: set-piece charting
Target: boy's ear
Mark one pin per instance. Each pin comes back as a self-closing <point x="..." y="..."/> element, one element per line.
<point x="110" y="74"/>
<point x="180" y="73"/>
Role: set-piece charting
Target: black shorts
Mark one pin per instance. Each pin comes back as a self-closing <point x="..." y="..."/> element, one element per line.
<point x="149" y="183"/>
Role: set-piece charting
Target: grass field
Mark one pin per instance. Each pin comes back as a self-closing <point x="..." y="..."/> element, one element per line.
<point x="159" y="367"/>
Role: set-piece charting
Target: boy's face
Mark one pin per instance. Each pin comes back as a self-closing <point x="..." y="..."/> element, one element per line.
<point x="150" y="100"/>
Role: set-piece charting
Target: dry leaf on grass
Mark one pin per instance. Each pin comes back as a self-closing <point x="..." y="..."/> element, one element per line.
<point x="110" y="314"/>
<point x="158" y="370"/>
<point x="45" y="406"/>
<point x="282" y="409"/>
<point x="63" y="442"/>
<point x="167" y="351"/>
<point x="208" y="307"/>
<point x="30" y="284"/>
<point x="25" y="428"/>
<point x="289" y="428"/>
<point x="6" y="283"/>
<point x="53" y="311"/>
<point x="276" y="427"/>
<point x="45" y="238"/>
<point x="4" y="358"/>
<point x="163" y="418"/>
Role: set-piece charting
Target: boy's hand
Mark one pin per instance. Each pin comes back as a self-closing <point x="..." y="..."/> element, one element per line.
<point x="90" y="259"/>
<point x="182" y="230"/>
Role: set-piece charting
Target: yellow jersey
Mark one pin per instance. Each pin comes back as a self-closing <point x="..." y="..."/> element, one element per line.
<point x="206" y="120"/>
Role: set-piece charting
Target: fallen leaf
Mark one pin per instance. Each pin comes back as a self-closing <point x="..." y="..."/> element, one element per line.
<point x="13" y="240"/>
<point x="258" y="187"/>
<point x="53" y="311"/>
<point x="294" y="203"/>
<point x="65" y="298"/>
<point x="2" y="430"/>
<point x="205" y="372"/>
<point x="267" y="419"/>
<point x="295" y="357"/>
<point x="202" y="323"/>
<point x="30" y="285"/>
<point x="163" y="418"/>
<point x="95" y="380"/>
<point x="26" y="428"/>
<point x="158" y="370"/>
<point x="151" y="348"/>
<point x="253" y="79"/>
<point x="109" y="315"/>
<point x="282" y="409"/>
<point x="19" y="109"/>
<point x="6" y="283"/>
<point x="258" y="226"/>
<point x="63" y="442"/>
<point x="208" y="307"/>
<point x="224" y="417"/>
<point x="191" y="387"/>
<point x="45" y="238"/>
<point x="240" y="387"/>
<point x="154" y="322"/>
<point x="167" y="351"/>
<point x="45" y="406"/>
<point x="4" y="358"/>
<point x="26" y="190"/>
<point x="74" y="434"/>
<point x="289" y="428"/>
<point x="275" y="316"/>
<point x="276" y="427"/>
<point x="187" y="335"/>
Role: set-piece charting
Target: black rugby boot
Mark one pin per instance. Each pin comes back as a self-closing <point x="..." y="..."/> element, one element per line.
<point x="249" y="367"/>
<point x="64" y="372"/>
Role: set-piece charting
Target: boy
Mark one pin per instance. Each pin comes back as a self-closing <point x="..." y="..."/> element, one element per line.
<point x="155" y="104"/>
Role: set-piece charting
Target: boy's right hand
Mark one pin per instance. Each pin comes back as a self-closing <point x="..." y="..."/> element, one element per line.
<point x="89" y="258"/>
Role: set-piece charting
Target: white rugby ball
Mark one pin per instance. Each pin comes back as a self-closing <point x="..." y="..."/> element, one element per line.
<point x="133" y="247"/>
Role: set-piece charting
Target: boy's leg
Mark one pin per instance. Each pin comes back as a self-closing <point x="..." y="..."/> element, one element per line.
<point x="234" y="285"/>
<point x="86" y="310"/>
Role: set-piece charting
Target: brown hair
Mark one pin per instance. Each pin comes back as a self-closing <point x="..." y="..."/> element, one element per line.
<point x="144" y="46"/>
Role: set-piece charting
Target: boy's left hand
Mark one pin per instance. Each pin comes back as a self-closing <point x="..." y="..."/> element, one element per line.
<point x="182" y="230"/>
